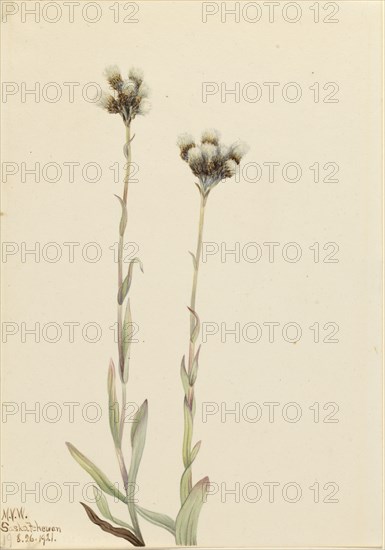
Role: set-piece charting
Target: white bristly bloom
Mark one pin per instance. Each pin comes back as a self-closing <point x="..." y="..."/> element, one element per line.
<point x="208" y="150"/>
<point x="238" y="150"/>
<point x="185" y="142"/>
<point x="129" y="96"/>
<point x="112" y="71"/>
<point x="144" y="107"/>
<point x="194" y="154"/>
<point x="143" y="90"/>
<point x="211" y="136"/>
<point x="210" y="161"/>
<point x="136" y="74"/>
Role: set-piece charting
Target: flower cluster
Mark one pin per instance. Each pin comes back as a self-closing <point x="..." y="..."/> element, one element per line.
<point x="210" y="161"/>
<point x="129" y="97"/>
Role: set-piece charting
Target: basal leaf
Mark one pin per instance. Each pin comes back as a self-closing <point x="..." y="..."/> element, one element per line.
<point x="102" y="503"/>
<point x="138" y="439"/>
<point x="186" y="524"/>
<point x="104" y="509"/>
<point x="102" y="481"/>
<point x="161" y="520"/>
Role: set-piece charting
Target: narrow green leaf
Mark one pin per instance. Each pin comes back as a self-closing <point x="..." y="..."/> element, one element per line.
<point x="195" y="451"/>
<point x="195" y="331"/>
<point x="184" y="376"/>
<point x="126" y="340"/>
<point x="138" y="439"/>
<point x="123" y="219"/>
<point x="187" y="520"/>
<point x="102" y="481"/>
<point x="102" y="503"/>
<point x="113" y="405"/>
<point x="194" y="370"/>
<point x="104" y="509"/>
<point x="161" y="520"/>
<point x="185" y="482"/>
<point x="123" y="291"/>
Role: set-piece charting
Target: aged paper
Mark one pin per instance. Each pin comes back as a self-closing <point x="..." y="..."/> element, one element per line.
<point x="282" y="276"/>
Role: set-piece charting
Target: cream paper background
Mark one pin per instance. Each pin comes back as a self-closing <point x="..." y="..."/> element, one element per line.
<point x="178" y="52"/>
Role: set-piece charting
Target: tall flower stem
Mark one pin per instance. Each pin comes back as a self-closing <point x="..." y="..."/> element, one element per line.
<point x="123" y="334"/>
<point x="197" y="258"/>
<point x="122" y="228"/>
<point x="189" y="376"/>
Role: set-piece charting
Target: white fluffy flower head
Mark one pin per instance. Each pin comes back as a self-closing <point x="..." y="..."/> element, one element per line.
<point x="210" y="160"/>
<point x="128" y="97"/>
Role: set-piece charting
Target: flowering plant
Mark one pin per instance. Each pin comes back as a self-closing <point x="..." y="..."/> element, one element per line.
<point x="210" y="162"/>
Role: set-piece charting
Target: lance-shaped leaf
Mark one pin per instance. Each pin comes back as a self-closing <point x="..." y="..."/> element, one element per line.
<point x="195" y="451"/>
<point x="184" y="377"/>
<point x="126" y="340"/>
<point x="113" y="405"/>
<point x="102" y="481"/>
<point x="104" y="509"/>
<point x="194" y="370"/>
<point x="187" y="520"/>
<point x="185" y="482"/>
<point x="123" y="290"/>
<point x="123" y="219"/>
<point x="138" y="439"/>
<point x="102" y="503"/>
<point x="161" y="520"/>
<point x="195" y="330"/>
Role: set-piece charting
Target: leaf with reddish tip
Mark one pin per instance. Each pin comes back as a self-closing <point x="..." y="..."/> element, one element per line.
<point x="187" y="519"/>
<point x="195" y="331"/>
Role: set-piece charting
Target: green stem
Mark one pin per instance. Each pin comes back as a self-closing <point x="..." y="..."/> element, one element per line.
<point x="120" y="253"/>
<point x="197" y="259"/>
<point x="189" y="401"/>
<point x="119" y="453"/>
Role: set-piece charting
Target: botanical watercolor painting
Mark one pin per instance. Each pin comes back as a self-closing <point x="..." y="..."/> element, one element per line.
<point x="210" y="162"/>
<point x="191" y="274"/>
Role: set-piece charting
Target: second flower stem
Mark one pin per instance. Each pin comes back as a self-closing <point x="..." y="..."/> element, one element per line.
<point x="189" y="376"/>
